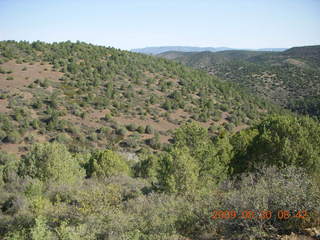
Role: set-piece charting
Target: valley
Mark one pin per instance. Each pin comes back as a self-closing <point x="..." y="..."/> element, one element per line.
<point x="290" y="78"/>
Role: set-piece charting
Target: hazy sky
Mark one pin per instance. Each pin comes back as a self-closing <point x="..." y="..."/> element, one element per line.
<point x="130" y="24"/>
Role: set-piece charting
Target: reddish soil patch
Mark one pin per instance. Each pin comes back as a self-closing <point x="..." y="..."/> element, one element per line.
<point x="97" y="114"/>
<point x="206" y="124"/>
<point x="296" y="62"/>
<point x="162" y="125"/>
<point x="262" y="110"/>
<point x="145" y="136"/>
<point x="12" y="148"/>
<point x="223" y="119"/>
<point x="158" y="93"/>
<point x="82" y="122"/>
<point x="3" y="105"/>
<point x="26" y="95"/>
<point x="15" y="148"/>
<point x="240" y="127"/>
<point x="22" y="78"/>
<point x="164" y="139"/>
<point x="179" y="114"/>
<point x="41" y="138"/>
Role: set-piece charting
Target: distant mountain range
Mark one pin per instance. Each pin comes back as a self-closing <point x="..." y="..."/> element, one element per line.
<point x="162" y="49"/>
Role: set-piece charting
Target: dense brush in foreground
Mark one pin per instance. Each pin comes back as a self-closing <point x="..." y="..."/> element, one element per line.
<point x="50" y="193"/>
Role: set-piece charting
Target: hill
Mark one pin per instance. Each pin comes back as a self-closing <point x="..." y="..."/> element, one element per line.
<point x="90" y="96"/>
<point x="110" y="144"/>
<point x="162" y="49"/>
<point x="290" y="78"/>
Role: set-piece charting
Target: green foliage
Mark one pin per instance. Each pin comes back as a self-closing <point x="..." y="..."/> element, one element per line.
<point x="40" y="231"/>
<point x="107" y="116"/>
<point x="13" y="137"/>
<point x="177" y="171"/>
<point x="106" y="163"/>
<point x="121" y="131"/>
<point x="3" y="135"/>
<point x="308" y="105"/>
<point x="241" y="142"/>
<point x="131" y="127"/>
<point x="281" y="141"/>
<point x="149" y="129"/>
<point x="8" y="168"/>
<point x="51" y="161"/>
<point x="147" y="165"/>
<point x="97" y="198"/>
<point x="191" y="135"/>
<point x="141" y="129"/>
<point x="154" y="142"/>
<point x="17" y="235"/>
<point x="215" y="159"/>
<point x="63" y="138"/>
<point x="65" y="232"/>
<point x="212" y="157"/>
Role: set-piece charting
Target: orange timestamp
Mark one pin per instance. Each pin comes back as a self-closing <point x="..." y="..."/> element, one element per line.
<point x="257" y="214"/>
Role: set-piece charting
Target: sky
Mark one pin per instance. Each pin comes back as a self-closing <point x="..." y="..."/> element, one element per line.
<point x="128" y="24"/>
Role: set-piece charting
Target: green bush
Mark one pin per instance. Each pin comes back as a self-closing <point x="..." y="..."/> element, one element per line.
<point x="131" y="127"/>
<point x="121" y="131"/>
<point x="51" y="161"/>
<point x="8" y="167"/>
<point x="212" y="157"/>
<point x="40" y="231"/>
<point x="177" y="171"/>
<point x="63" y="138"/>
<point x="149" y="129"/>
<point x="105" y="131"/>
<point x="132" y="141"/>
<point x="147" y="166"/>
<point x="13" y="137"/>
<point x="282" y="141"/>
<point x="129" y="187"/>
<point x="93" y="137"/>
<point x="154" y="142"/>
<point x="108" y="117"/>
<point x="141" y="129"/>
<point x="35" y="123"/>
<point x="3" y="135"/>
<point x="96" y="198"/>
<point x="106" y="163"/>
